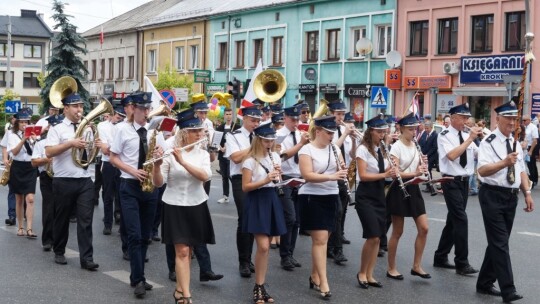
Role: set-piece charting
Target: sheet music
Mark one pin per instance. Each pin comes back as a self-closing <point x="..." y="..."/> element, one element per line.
<point x="280" y="139"/>
<point x="216" y="140"/>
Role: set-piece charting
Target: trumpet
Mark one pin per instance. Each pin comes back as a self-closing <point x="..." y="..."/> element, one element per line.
<point x="279" y="189"/>
<point x="341" y="166"/>
<point x="169" y="151"/>
<point x="384" y="148"/>
<point x="426" y="174"/>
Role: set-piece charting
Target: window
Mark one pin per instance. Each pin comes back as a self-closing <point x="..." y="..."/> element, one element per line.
<point x="4" y="49"/>
<point x="277" y="47"/>
<point x="152" y="61"/>
<point x="32" y="51"/>
<point x="448" y="31"/>
<point x="102" y="70"/>
<point x="3" y="79"/>
<point x="30" y="80"/>
<point x="120" y="67"/>
<point x="515" y="31"/>
<point x="357" y="34"/>
<point x="333" y="46"/>
<point x="131" y="67"/>
<point x="194" y="57"/>
<point x="419" y="38"/>
<point x="93" y="73"/>
<point x="384" y="40"/>
<point x="258" y="53"/>
<point x="482" y="33"/>
<point x="223" y="55"/>
<point x="240" y="53"/>
<point x="180" y="58"/>
<point x="312" y="46"/>
<point x="85" y="63"/>
<point x="111" y="69"/>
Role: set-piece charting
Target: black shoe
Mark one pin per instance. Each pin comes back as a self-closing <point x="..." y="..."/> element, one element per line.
<point x="398" y="277"/>
<point x="90" y="266"/>
<point x="125" y="256"/>
<point x="329" y="253"/>
<point x="422" y="275"/>
<point x="251" y="267"/>
<point x="210" y="276"/>
<point x="117" y="218"/>
<point x="339" y="257"/>
<point x="60" y="259"/>
<point x="375" y="284"/>
<point x="140" y="290"/>
<point x="244" y="270"/>
<point x="466" y="270"/>
<point x="512" y="297"/>
<point x="156" y="238"/>
<point x="11" y="221"/>
<point x="491" y="290"/>
<point x="380" y="254"/>
<point x="363" y="284"/>
<point x="107" y="231"/>
<point x="47" y="247"/>
<point x="444" y="264"/>
<point x="294" y="262"/>
<point x="273" y="246"/>
<point x="148" y="286"/>
<point x="287" y="264"/>
<point x="344" y="240"/>
<point x="172" y="276"/>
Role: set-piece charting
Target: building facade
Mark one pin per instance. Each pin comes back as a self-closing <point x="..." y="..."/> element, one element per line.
<point x="462" y="51"/>
<point x="30" y="51"/>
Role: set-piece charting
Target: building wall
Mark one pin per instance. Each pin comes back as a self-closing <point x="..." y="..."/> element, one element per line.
<point x="482" y="97"/>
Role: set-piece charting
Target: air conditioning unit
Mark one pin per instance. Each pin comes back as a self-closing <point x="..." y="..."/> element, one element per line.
<point x="450" y="68"/>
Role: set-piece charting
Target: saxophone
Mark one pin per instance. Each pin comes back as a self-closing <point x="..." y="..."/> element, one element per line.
<point x="148" y="167"/>
<point x="49" y="169"/>
<point x="4" y="179"/>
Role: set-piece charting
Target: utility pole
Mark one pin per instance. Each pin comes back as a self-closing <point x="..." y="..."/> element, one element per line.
<point x="8" y="76"/>
<point x="529" y="36"/>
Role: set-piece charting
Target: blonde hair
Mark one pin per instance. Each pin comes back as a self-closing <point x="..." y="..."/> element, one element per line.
<point x="256" y="150"/>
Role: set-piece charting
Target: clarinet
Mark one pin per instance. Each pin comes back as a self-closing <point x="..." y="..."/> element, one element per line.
<point x="427" y="175"/>
<point x="393" y="165"/>
<point x="340" y="166"/>
<point x="279" y="189"/>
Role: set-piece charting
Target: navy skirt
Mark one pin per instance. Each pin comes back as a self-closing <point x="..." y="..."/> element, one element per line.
<point x="371" y="208"/>
<point x="318" y="212"/>
<point x="398" y="205"/>
<point x="263" y="213"/>
<point x="189" y="225"/>
<point x="22" y="177"/>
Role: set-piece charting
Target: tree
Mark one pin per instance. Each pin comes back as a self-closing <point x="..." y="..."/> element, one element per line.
<point x="64" y="60"/>
<point x="8" y="95"/>
<point x="169" y="79"/>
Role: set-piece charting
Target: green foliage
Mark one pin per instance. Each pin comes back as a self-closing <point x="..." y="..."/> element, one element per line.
<point x="64" y="60"/>
<point x="169" y="79"/>
<point x="8" y="95"/>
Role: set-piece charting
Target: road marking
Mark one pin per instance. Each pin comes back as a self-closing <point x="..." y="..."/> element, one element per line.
<point x="225" y="216"/>
<point x="529" y="233"/>
<point x="11" y="229"/>
<point x="123" y="276"/>
<point x="71" y="253"/>
<point x="437" y="219"/>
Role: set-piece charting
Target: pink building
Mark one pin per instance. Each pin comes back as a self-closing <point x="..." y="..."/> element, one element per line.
<point x="458" y="51"/>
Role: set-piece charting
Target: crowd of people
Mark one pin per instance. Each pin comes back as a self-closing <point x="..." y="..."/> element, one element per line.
<point x="289" y="174"/>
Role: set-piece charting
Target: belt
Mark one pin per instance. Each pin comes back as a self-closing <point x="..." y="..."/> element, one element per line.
<point x="501" y="189"/>
<point x="458" y="178"/>
<point x="130" y="181"/>
<point x="236" y="176"/>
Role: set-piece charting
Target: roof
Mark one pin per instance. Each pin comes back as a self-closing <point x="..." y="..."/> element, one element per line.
<point x="29" y="26"/>
<point x="129" y="21"/>
<point x="193" y="9"/>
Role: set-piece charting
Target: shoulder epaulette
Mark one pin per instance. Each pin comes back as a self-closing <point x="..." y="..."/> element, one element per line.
<point x="444" y="132"/>
<point x="491" y="138"/>
<point x="236" y="132"/>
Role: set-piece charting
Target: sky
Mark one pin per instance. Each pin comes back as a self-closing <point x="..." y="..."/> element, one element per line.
<point x="86" y="13"/>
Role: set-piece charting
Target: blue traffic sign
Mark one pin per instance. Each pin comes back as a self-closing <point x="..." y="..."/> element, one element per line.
<point x="379" y="97"/>
<point x="12" y="106"/>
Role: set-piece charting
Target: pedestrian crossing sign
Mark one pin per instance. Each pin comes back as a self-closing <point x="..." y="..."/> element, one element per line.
<point x="379" y="97"/>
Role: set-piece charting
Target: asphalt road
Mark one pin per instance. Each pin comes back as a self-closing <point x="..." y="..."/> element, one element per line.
<point x="29" y="275"/>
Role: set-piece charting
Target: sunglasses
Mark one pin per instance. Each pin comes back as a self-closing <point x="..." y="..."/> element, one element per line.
<point x="305" y="112"/>
<point x="329" y="132"/>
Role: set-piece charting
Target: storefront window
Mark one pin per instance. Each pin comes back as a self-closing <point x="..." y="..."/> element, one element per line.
<point x="480" y="108"/>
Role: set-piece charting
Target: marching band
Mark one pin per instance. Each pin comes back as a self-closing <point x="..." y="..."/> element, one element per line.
<point x="283" y="179"/>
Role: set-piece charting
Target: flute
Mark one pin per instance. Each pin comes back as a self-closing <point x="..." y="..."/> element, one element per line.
<point x="426" y="174"/>
<point x="279" y="188"/>
<point x="168" y="152"/>
<point x="340" y="166"/>
<point x="393" y="165"/>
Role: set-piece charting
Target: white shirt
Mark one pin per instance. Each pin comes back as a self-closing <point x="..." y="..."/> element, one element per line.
<point x="182" y="188"/>
<point x="208" y="125"/>
<point x="236" y="141"/>
<point x="63" y="163"/>
<point x="42" y="122"/>
<point x="257" y="171"/>
<point x="39" y="152"/>
<point x="372" y="161"/>
<point x="106" y="133"/>
<point x="446" y="142"/>
<point x="13" y="141"/>
<point x="347" y="144"/>
<point x="409" y="158"/>
<point x="489" y="153"/>
<point x="531" y="133"/>
<point x="289" y="167"/>
<point x="323" y="162"/>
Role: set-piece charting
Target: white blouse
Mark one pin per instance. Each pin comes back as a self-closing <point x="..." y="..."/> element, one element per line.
<point x="257" y="171"/>
<point x="182" y="188"/>
<point x="372" y="162"/>
<point x="323" y="162"/>
<point x="409" y="158"/>
<point x="13" y="141"/>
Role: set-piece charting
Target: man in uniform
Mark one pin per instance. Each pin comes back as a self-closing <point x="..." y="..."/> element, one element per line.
<point x="428" y="143"/>
<point x="456" y="161"/>
<point x="43" y="122"/>
<point x="72" y="185"/>
<point x="236" y="148"/>
<point x="502" y="172"/>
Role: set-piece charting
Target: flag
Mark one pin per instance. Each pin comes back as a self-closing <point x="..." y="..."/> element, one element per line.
<point x="414" y="108"/>
<point x="250" y="94"/>
<point x="156" y="96"/>
<point x="101" y="36"/>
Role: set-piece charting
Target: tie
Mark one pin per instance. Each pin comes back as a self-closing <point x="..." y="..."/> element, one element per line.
<point x="84" y="155"/>
<point x="511" y="174"/>
<point x="27" y="145"/>
<point x="143" y="146"/>
<point x="462" y="157"/>
<point x="294" y="142"/>
<point x="380" y="161"/>
<point x="342" y="148"/>
<point x="250" y="137"/>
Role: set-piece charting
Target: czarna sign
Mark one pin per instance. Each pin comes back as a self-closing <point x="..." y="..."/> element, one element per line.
<point x="490" y="69"/>
<point x="359" y="90"/>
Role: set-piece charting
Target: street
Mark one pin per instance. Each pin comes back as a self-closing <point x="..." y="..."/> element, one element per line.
<point x="30" y="275"/>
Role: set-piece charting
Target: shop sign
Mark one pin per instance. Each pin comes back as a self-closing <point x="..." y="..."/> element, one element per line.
<point x="490" y="69"/>
<point x="328" y="88"/>
<point x="359" y="90"/>
<point x="202" y="76"/>
<point x="426" y="82"/>
<point x="445" y="102"/>
<point x="535" y="107"/>
<point x="392" y="79"/>
<point x="307" y="88"/>
<point x="215" y="87"/>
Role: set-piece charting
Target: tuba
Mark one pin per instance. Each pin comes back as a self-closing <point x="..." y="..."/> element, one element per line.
<point x="321" y="111"/>
<point x="61" y="88"/>
<point x="269" y="86"/>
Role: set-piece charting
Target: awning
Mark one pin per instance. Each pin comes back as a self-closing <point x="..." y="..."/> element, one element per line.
<point x="480" y="91"/>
